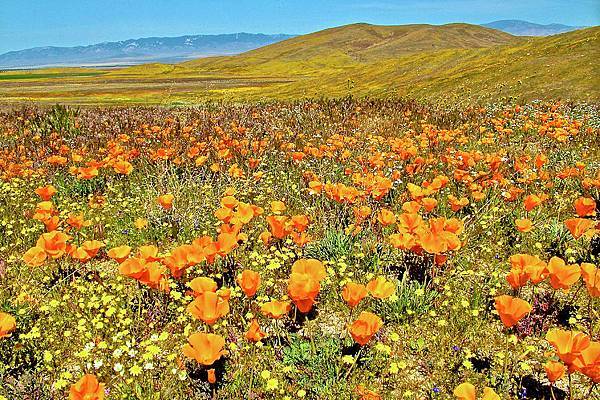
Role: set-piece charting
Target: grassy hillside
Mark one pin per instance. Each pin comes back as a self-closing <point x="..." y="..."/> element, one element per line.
<point x="558" y="66"/>
<point x="453" y="62"/>
<point x="373" y="42"/>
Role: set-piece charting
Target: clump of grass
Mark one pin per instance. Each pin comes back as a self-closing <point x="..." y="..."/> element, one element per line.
<point x="413" y="299"/>
<point x="334" y="245"/>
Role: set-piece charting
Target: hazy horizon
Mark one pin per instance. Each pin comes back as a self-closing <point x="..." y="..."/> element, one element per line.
<point x="27" y="24"/>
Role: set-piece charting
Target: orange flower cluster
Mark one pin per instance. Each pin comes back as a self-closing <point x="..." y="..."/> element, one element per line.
<point x="577" y="351"/>
<point x="527" y="268"/>
<point x="281" y="226"/>
<point x="437" y="236"/>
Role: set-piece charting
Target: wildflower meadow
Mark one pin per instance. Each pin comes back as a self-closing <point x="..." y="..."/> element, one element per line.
<point x="319" y="249"/>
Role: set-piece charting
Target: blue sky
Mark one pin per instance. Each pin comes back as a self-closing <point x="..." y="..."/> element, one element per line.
<point x="26" y="23"/>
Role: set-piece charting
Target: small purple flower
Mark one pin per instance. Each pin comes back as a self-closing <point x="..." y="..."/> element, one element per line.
<point x="455" y="348"/>
<point x="436" y="390"/>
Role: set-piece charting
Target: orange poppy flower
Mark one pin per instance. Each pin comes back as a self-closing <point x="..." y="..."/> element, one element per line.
<point x="589" y="362"/>
<point x="554" y="370"/>
<point x="205" y="348"/>
<point x="303" y="288"/>
<point x="123" y="167"/>
<point x="562" y="276"/>
<point x="300" y="222"/>
<point x="229" y="202"/>
<point x="87" y="388"/>
<point x="315" y="187"/>
<point x="310" y="266"/>
<point x="91" y="247"/>
<point x="177" y="260"/>
<point x="54" y="243"/>
<point x="77" y="221"/>
<point x="249" y="281"/>
<point x="148" y="273"/>
<point x="149" y="253"/>
<point x="366" y="394"/>
<point x="381" y="288"/>
<point x="540" y="160"/>
<point x="254" y="333"/>
<point x="265" y="237"/>
<point x="243" y="214"/>
<point x="533" y="200"/>
<point x="275" y="309"/>
<point x="7" y="324"/>
<point x="525" y="267"/>
<point x="223" y="214"/>
<point x="208" y="307"/>
<point x="279" y="225"/>
<point x="457" y="204"/>
<point x="465" y="391"/>
<point x="365" y="327"/>
<point x="511" y="309"/>
<point x="277" y="207"/>
<point x="386" y="217"/>
<point x="56" y="160"/>
<point x="403" y="241"/>
<point x="591" y="277"/>
<point x="226" y="242"/>
<point x="353" y="293"/>
<point x="435" y="239"/>
<point x="584" y="206"/>
<point x="524" y="225"/>
<point x="46" y="192"/>
<point x="52" y="223"/>
<point x="120" y="253"/>
<point x="35" y="256"/>
<point x="300" y="238"/>
<point x="44" y="210"/>
<point x="579" y="226"/>
<point x="166" y="201"/>
<point x="133" y="267"/>
<point x="80" y="254"/>
<point x="410" y="223"/>
<point x="568" y="344"/>
<point x="87" y="172"/>
<point x="202" y="284"/>
<point x="429" y="203"/>
<point x="411" y="207"/>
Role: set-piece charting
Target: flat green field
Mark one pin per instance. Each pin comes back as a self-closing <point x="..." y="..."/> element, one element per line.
<point x="21" y="76"/>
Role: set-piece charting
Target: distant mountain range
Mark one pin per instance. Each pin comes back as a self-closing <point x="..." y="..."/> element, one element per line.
<point x="184" y="48"/>
<point x="138" y="51"/>
<point x="524" y="28"/>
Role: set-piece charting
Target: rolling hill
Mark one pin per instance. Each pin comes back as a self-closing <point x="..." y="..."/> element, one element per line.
<point x="452" y="62"/>
<point x="359" y="43"/>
